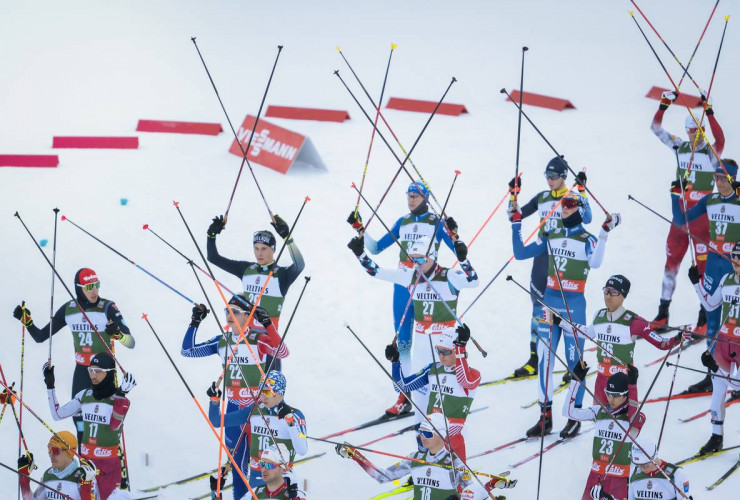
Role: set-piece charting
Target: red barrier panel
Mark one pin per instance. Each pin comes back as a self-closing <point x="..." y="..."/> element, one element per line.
<point x="96" y="142"/>
<point x="179" y="127"/>
<point x="29" y="161"/>
<point x="541" y="101"/>
<point x="425" y="106"/>
<point x="276" y="147"/>
<point x="322" y="115"/>
<point x="683" y="99"/>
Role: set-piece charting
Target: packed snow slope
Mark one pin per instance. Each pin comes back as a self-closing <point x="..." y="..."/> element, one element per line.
<point x="92" y="68"/>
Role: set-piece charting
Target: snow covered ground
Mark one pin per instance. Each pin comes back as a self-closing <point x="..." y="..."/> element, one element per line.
<point x="92" y="68"/>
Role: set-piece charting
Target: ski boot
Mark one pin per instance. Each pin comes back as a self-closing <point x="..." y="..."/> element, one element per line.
<point x="733" y="396"/>
<point x="714" y="444"/>
<point x="401" y="407"/>
<point x="661" y="320"/>
<point x="701" y="324"/>
<point x="704" y="385"/>
<point x="538" y="429"/>
<point x="571" y="429"/>
<point x="530" y="367"/>
<point x="566" y="378"/>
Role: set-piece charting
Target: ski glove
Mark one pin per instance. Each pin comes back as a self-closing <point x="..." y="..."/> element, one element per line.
<point x="87" y="471"/>
<point x="597" y="492"/>
<point x="515" y="186"/>
<point x="391" y="353"/>
<point x="113" y="329"/>
<point x="262" y="316"/>
<point x="612" y="221"/>
<point x="23" y="315"/>
<point x="677" y="187"/>
<point x="48" y="375"/>
<point x="357" y="245"/>
<point x="667" y="98"/>
<point x="461" y="251"/>
<point x="199" y="314"/>
<point x="451" y="225"/>
<point x="26" y="464"/>
<point x="581" y="181"/>
<point x="291" y="488"/>
<point x="708" y="361"/>
<point x="129" y="382"/>
<point x="500" y="483"/>
<point x="214" y="479"/>
<point x="707" y="103"/>
<point x="281" y="227"/>
<point x="6" y="398"/>
<point x="121" y="405"/>
<point x="694" y="275"/>
<point x="214" y="392"/>
<point x="216" y="226"/>
<point x="355" y="220"/>
<point x="286" y="413"/>
<point x="632" y="374"/>
<point x="463" y="335"/>
<point x="516" y="216"/>
<point x="344" y="450"/>
<point x="580" y="371"/>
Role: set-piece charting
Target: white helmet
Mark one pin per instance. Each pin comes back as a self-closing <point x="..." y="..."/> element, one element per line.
<point x="445" y="339"/>
<point x="272" y="454"/>
<point x="437" y="420"/>
<point x="420" y="247"/>
<point x="640" y="458"/>
<point x="690" y="123"/>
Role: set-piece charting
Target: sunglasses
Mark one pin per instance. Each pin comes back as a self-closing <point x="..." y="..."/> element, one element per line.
<point x="611" y="291"/>
<point x="268" y="393"/>
<point x="426" y="434"/>
<point x="267" y="465"/>
<point x="570" y="203"/>
<point x="97" y="371"/>
<point x="443" y="352"/>
<point x="418" y="260"/>
<point x="235" y="310"/>
<point x="54" y="451"/>
<point x="552" y="175"/>
<point x="90" y="286"/>
<point x="611" y="394"/>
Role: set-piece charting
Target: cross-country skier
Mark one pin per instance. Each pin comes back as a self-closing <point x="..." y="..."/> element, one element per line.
<point x="435" y="473"/>
<point x="420" y="221"/>
<point x="695" y="171"/>
<point x="556" y="172"/>
<point x="723" y="211"/>
<point x="648" y="481"/>
<point x="106" y="319"/>
<point x="243" y="373"/>
<point x="610" y="445"/>
<point x="275" y="472"/>
<point x="616" y="329"/>
<point x="722" y="361"/>
<point x="572" y="252"/>
<point x="435" y="300"/>
<point x="274" y="421"/>
<point x="103" y="408"/>
<point x="451" y="383"/>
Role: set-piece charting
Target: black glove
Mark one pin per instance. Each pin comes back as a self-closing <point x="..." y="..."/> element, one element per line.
<point x="23" y="315"/>
<point x="214" y="392"/>
<point x="262" y="317"/>
<point x="113" y="329"/>
<point x="581" y="180"/>
<point x="707" y="104"/>
<point x="281" y="227"/>
<point x="678" y="186"/>
<point x="451" y="225"/>
<point x="285" y="411"/>
<point x="355" y="220"/>
<point x="580" y="371"/>
<point x="199" y="314"/>
<point x="357" y="245"/>
<point x="461" y="250"/>
<point x="291" y="488"/>
<point x="694" y="275"/>
<point x="515" y="186"/>
<point x="391" y="353"/>
<point x="7" y="397"/>
<point x="25" y="464"/>
<point x="632" y="374"/>
<point x="463" y="335"/>
<point x="48" y="375"/>
<point x="708" y="361"/>
<point x="216" y="226"/>
<point x="214" y="480"/>
<point x="452" y="497"/>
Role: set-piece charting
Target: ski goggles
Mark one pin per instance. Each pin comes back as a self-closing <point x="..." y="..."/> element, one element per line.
<point x="426" y="433"/>
<point x="570" y="202"/>
<point x="90" y="286"/>
<point x="268" y="392"/>
<point x="612" y="394"/>
<point x="551" y="176"/>
<point x="267" y="465"/>
<point x="94" y="370"/>
<point x="444" y="352"/>
<point x="735" y="255"/>
<point x="54" y="451"/>
<point x="235" y="310"/>
<point x="418" y="260"/>
<point x="611" y="291"/>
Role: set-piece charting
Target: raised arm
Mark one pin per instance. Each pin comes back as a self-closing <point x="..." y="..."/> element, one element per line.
<point x="74" y="407"/>
<point x="122" y="333"/>
<point x="376" y="246"/>
<point x="234" y="267"/>
<point x="569" y="406"/>
<point x="679" y="217"/>
<point x="520" y="251"/>
<point x="413" y="382"/>
<point x="58" y="321"/>
<point x="292" y="272"/>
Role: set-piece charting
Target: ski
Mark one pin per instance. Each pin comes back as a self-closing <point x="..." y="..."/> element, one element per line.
<point x="549" y="447"/>
<point x="688" y="395"/>
<point x="706" y="412"/>
<point x="563" y="386"/>
<point x="674" y="351"/>
<point x="504" y="446"/>
<point x="699" y="458"/>
<point x="512" y="378"/>
<point x="724" y="476"/>
<point x="370" y="423"/>
<point x="393" y="492"/>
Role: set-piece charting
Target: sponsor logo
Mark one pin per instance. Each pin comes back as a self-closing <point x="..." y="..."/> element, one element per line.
<point x="429" y="471"/>
<point x="609" y="329"/>
<point x="103" y="452"/>
<point x="650" y="483"/>
<point x="564" y="244"/>
<point x="416" y="228"/>
<point x="263" y="141"/>
<point x="257" y="281"/>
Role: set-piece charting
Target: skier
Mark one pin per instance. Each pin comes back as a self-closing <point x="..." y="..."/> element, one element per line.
<point x="435" y="300"/>
<point x="611" y="451"/>
<point x="695" y="172"/>
<point x="243" y="373"/>
<point x="648" y="480"/>
<point x="103" y="408"/>
<point x="723" y="211"/>
<point x="106" y="318"/>
<point x="420" y="221"/>
<point x="272" y="422"/>
<point x="556" y="172"/>
<point x="435" y="474"/>
<point x="616" y="329"/>
<point x="451" y="383"/>
<point x="572" y="252"/>
<point x="722" y="359"/>
<point x="66" y="476"/>
<point x="275" y="472"/>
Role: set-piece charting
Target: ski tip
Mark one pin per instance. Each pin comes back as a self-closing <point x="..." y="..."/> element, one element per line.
<point x="145" y="227"/>
<point x="394" y="46"/>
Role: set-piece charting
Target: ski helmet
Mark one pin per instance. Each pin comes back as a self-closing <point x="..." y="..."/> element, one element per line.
<point x="558" y="166"/>
<point x="618" y="384"/>
<point x="445" y="339"/>
<point x="418" y="187"/>
<point x="690" y="123"/>
<point x="265" y="237"/>
<point x="420" y="247"/>
<point x="275" y="380"/>
<point x="619" y="283"/>
<point x="641" y="458"/>
<point x="276" y="454"/>
<point x="437" y="420"/>
<point x="65" y="441"/>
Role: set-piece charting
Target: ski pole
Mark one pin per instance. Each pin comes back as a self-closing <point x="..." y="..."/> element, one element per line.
<point x="8" y="396"/>
<point x="421" y="412"/>
<point x="670" y="393"/>
<point x="519" y="136"/>
<point x="64" y="217"/>
<point x="701" y="37"/>
<point x="375" y="124"/>
<point x="531" y="235"/>
<point x="37" y="482"/>
<point x="21" y="437"/>
<point x="444" y="207"/>
<point x="147" y="227"/>
<point x="701" y="371"/>
<point x="442" y="403"/>
<point x="23" y="359"/>
<point x="71" y="295"/>
<point x="234" y="463"/>
<point x="683" y="198"/>
<point x="244" y="150"/>
<point x="543" y="414"/>
<point x="53" y="265"/>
